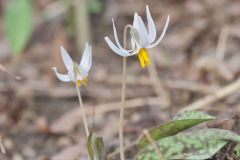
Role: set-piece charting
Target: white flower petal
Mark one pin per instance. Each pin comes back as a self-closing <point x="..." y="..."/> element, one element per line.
<point x="90" y="59"/>
<point x="120" y="52"/>
<point x="135" y="37"/>
<point x="133" y="41"/>
<point x="117" y="41"/>
<point x="116" y="36"/>
<point x="136" y="26"/>
<point x="67" y="60"/>
<point x="135" y="22"/>
<point x="162" y="35"/>
<point x="61" y="77"/>
<point x="143" y="33"/>
<point x="71" y="76"/>
<point x="151" y="26"/>
<point x="84" y="73"/>
<point x="86" y="56"/>
<point x="136" y="51"/>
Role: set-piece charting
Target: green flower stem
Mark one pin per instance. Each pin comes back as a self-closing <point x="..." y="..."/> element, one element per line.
<point x="122" y="109"/>
<point x="123" y="97"/>
<point x="82" y="111"/>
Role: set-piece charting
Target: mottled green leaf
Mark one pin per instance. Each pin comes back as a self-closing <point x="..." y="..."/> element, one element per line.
<point x="180" y="123"/>
<point x="18" y="24"/>
<point x="96" y="147"/>
<point x="237" y="150"/>
<point x="193" y="115"/>
<point x="195" y="145"/>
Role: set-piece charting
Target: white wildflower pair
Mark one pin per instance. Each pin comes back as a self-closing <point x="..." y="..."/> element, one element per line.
<point x="141" y="39"/>
<point x="76" y="73"/>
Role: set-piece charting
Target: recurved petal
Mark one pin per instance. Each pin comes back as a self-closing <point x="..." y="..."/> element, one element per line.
<point x="151" y="26"/>
<point x="120" y="52"/>
<point x="67" y="60"/>
<point x="116" y="36"/>
<point x="116" y="39"/>
<point x="61" y="77"/>
<point x="143" y="33"/>
<point x="162" y="35"/>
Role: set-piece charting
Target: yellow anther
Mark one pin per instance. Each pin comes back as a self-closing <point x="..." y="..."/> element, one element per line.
<point x="85" y="81"/>
<point x="144" y="58"/>
<point x="80" y="82"/>
<point x="141" y="60"/>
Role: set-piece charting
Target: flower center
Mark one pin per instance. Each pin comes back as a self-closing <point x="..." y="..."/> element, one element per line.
<point x="77" y="72"/>
<point x="144" y="58"/>
<point x="80" y="82"/>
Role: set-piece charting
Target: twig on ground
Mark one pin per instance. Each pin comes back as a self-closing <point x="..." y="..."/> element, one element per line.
<point x="190" y="86"/>
<point x="2" y="147"/>
<point x="116" y="152"/>
<point x="132" y="103"/>
<point x="36" y="89"/>
<point x="72" y="116"/>
<point x="154" y="145"/>
<point x="214" y="97"/>
<point x="222" y="42"/>
<point x="172" y="84"/>
<point x="3" y="69"/>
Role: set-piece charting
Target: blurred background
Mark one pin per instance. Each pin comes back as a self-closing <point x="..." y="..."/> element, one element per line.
<point x="39" y="115"/>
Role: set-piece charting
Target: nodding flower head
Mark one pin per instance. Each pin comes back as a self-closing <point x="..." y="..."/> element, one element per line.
<point x="76" y="73"/>
<point x="141" y="39"/>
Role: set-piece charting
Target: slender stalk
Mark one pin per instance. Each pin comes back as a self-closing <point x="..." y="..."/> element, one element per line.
<point x="122" y="109"/>
<point x="121" y="121"/>
<point x="82" y="110"/>
<point x="93" y="118"/>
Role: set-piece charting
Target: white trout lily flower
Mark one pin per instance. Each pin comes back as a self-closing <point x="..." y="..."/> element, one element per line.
<point x="76" y="73"/>
<point x="141" y="39"/>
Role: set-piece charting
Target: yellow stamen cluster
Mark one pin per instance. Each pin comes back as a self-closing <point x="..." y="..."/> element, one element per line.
<point x="80" y="82"/>
<point x="144" y="58"/>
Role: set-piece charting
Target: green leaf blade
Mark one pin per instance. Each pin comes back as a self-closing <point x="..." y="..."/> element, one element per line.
<point x="18" y="24"/>
<point x="193" y="115"/>
<point x="200" y="144"/>
<point x="180" y="123"/>
<point x="95" y="147"/>
<point x="90" y="143"/>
